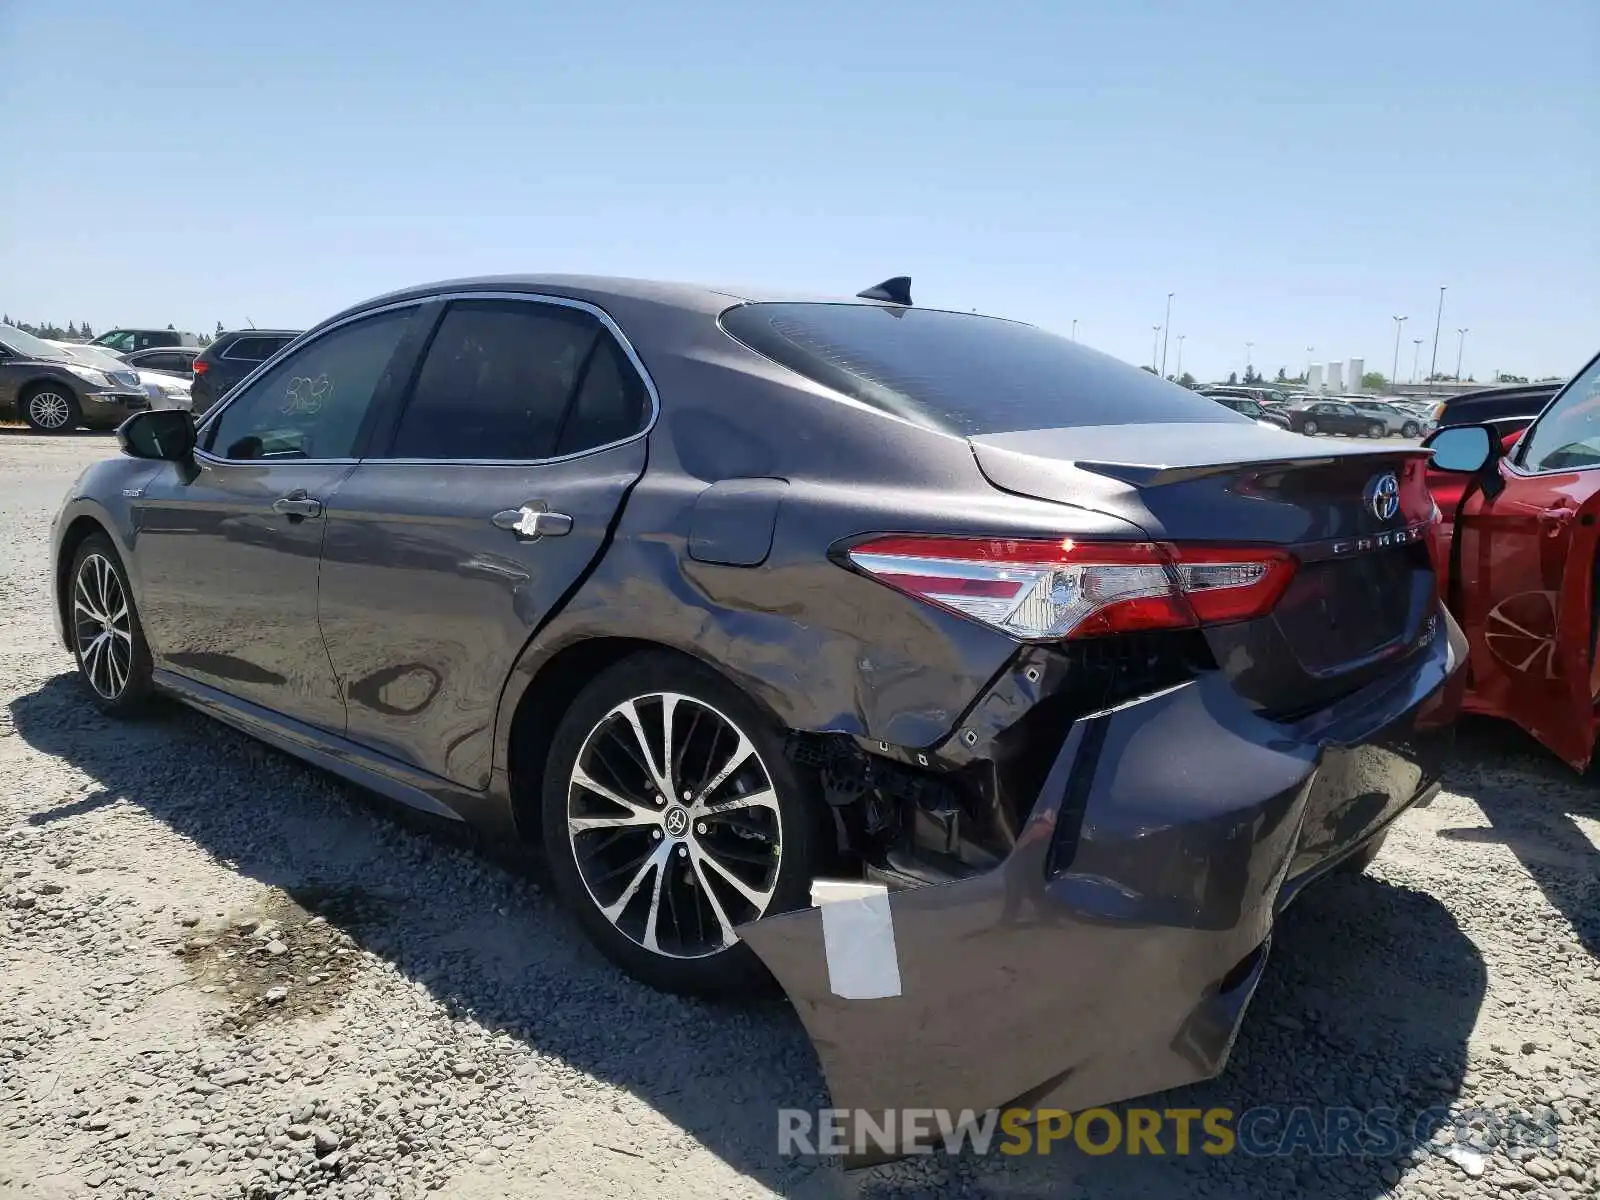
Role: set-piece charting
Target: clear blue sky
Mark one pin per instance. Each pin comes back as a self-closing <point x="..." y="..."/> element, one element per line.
<point x="1296" y="172"/>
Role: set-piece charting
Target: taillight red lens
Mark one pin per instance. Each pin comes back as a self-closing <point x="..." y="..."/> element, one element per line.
<point x="1076" y="589"/>
<point x="201" y="366"/>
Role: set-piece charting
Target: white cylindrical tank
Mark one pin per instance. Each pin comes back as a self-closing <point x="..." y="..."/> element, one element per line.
<point x="1314" y="378"/>
<point x="1358" y="368"/>
<point x="1336" y="377"/>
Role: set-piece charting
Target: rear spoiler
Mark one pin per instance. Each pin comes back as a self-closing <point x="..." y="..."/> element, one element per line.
<point x="1156" y="475"/>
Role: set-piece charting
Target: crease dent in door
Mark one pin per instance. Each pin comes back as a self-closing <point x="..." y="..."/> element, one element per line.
<point x="1124" y="972"/>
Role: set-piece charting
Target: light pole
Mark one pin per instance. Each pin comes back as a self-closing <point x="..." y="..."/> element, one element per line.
<point x="1179" y="371"/>
<point x="1310" y="350"/>
<point x="1416" y="357"/>
<point x="1433" y="367"/>
<point x="1249" y="352"/>
<point x="1166" y="325"/>
<point x="1394" y="371"/>
<point x="1074" y="328"/>
<point x="1460" y="346"/>
<point x="1155" y="345"/>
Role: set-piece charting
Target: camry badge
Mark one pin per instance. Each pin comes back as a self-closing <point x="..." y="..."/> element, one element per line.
<point x="1383" y="495"/>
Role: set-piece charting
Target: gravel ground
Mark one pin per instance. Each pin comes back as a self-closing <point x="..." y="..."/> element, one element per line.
<point x="227" y="975"/>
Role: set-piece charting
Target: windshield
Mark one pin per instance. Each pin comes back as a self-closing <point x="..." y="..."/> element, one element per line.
<point x="960" y="373"/>
<point x="28" y="346"/>
<point x="116" y="339"/>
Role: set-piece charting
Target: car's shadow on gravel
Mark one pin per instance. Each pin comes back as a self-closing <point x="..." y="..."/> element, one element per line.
<point x="1367" y="1002"/>
<point x="1531" y="799"/>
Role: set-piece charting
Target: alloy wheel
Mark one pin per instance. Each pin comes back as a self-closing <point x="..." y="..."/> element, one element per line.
<point x="49" y="410"/>
<point x="674" y="824"/>
<point x="102" y="626"/>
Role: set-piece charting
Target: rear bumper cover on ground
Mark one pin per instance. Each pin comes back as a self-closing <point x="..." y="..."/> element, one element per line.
<point x="1113" y="954"/>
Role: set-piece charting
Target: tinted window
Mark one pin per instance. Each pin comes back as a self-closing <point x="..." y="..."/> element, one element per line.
<point x="1567" y="437"/>
<point x="117" y="339"/>
<point x="311" y="404"/>
<point x="963" y="374"/>
<point x="253" y="349"/>
<point x="496" y="381"/>
<point x="611" y="403"/>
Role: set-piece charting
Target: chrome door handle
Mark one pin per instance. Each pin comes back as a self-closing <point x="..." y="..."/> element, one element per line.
<point x="297" y="505"/>
<point x="530" y="522"/>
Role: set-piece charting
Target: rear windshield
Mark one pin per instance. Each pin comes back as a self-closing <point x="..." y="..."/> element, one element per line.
<point x="961" y="373"/>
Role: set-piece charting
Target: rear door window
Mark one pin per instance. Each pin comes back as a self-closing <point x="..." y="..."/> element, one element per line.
<point x="496" y="384"/>
<point x="251" y="349"/>
<point x="961" y="373"/>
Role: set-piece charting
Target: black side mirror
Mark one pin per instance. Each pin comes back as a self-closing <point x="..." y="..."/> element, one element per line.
<point x="1463" y="449"/>
<point x="163" y="433"/>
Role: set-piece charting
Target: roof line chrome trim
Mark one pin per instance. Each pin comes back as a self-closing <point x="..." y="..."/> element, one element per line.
<point x="593" y="310"/>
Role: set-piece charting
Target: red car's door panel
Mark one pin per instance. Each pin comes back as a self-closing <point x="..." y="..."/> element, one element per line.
<point x="1526" y="596"/>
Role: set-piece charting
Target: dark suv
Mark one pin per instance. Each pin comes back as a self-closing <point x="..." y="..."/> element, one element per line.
<point x="126" y="341"/>
<point x="229" y="358"/>
<point x="1508" y="409"/>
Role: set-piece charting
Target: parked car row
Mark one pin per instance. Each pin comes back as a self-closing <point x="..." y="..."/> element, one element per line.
<point x="170" y="368"/>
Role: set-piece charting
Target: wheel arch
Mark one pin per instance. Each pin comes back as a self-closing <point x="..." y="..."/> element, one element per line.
<point x="79" y="530"/>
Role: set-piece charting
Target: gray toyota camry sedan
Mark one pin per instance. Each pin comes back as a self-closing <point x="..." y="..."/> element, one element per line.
<point x="987" y="693"/>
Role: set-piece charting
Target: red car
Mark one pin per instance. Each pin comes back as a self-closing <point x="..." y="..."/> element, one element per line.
<point x="1515" y="552"/>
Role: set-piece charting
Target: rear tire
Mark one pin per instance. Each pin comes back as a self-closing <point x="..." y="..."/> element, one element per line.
<point x="107" y="639"/>
<point x="1309" y="429"/>
<point x="50" y="408"/>
<point x="659" y="881"/>
<point x="1377" y="430"/>
<point x="1364" y="857"/>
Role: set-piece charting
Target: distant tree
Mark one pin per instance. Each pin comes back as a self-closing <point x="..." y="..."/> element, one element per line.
<point x="1253" y="376"/>
<point x="72" y="329"/>
<point x="85" y="330"/>
<point x="1188" y="380"/>
<point x="219" y="326"/>
<point x="1502" y="377"/>
<point x="5" y="320"/>
<point x="1233" y="377"/>
<point x="1283" y="374"/>
<point x="1374" y="381"/>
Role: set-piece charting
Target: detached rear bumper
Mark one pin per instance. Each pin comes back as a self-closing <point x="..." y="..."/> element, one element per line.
<point x="1115" y="950"/>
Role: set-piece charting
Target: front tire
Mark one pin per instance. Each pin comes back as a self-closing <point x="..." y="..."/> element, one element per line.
<point x="671" y="815"/>
<point x="1309" y="429"/>
<point x="51" y="408"/>
<point x="107" y="639"/>
<point x="1410" y="429"/>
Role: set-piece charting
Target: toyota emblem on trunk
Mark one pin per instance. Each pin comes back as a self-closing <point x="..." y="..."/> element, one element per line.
<point x="1383" y="495"/>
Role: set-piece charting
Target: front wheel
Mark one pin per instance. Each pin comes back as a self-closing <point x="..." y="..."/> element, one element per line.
<point x="671" y="816"/>
<point x="1410" y="429"/>
<point x="107" y="639"/>
<point x="51" y="408"/>
<point x="1309" y="428"/>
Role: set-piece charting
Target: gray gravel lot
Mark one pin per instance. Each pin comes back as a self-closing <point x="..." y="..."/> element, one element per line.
<point x="226" y="975"/>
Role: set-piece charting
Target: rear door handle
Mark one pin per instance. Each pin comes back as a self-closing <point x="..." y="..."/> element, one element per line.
<point x="297" y="505"/>
<point x="532" y="521"/>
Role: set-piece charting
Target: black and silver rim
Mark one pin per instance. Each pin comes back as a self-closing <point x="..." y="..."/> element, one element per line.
<point x="674" y="824"/>
<point x="49" y="410"/>
<point x="102" y="626"/>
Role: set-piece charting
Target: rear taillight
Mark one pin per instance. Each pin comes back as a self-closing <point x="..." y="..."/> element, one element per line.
<point x="201" y="366"/>
<point x="1073" y="589"/>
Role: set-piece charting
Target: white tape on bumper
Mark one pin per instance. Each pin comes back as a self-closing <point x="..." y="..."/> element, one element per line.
<point x="858" y="938"/>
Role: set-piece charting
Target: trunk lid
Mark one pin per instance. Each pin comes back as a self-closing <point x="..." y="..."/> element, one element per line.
<point x="1363" y="593"/>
